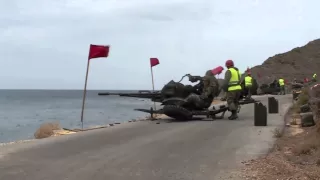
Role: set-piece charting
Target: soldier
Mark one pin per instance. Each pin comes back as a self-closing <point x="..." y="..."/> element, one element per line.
<point x="233" y="88"/>
<point x="281" y="84"/>
<point x="314" y="77"/>
<point x="198" y="88"/>
<point x="206" y="97"/>
<point x="248" y="84"/>
<point x="213" y="83"/>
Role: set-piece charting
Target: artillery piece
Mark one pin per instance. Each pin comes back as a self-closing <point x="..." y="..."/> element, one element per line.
<point x="173" y="98"/>
<point x="272" y="88"/>
<point x="176" y="105"/>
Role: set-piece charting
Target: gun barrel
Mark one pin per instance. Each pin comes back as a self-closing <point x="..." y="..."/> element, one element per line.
<point x="154" y="96"/>
<point x="107" y="93"/>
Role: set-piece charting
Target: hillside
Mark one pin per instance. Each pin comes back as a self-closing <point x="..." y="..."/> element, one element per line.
<point x="298" y="63"/>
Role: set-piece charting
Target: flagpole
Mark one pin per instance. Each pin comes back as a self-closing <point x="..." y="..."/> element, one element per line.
<point x="84" y="92"/>
<point x="154" y="103"/>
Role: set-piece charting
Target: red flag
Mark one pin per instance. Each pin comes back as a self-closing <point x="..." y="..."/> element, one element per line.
<point x="154" y="62"/>
<point x="217" y="70"/>
<point x="97" y="51"/>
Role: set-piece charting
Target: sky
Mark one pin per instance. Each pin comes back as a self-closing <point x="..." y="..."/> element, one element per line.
<point x="45" y="43"/>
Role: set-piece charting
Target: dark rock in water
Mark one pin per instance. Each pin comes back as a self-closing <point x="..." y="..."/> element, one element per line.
<point x="305" y="108"/>
<point x="307" y="119"/>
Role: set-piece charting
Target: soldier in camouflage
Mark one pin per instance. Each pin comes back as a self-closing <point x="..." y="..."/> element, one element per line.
<point x="210" y="87"/>
<point x="232" y="88"/>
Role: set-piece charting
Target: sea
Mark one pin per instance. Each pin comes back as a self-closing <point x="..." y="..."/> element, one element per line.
<point x="23" y="111"/>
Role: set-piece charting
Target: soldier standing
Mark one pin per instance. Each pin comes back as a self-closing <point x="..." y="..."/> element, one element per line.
<point x="314" y="77"/>
<point x="233" y="88"/>
<point x="282" y="89"/>
<point x="248" y="84"/>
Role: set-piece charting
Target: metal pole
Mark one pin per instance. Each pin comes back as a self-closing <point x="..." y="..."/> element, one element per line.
<point x="84" y="92"/>
<point x="154" y="103"/>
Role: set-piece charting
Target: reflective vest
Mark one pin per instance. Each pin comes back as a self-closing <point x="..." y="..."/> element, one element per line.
<point x="281" y="82"/>
<point x="248" y="81"/>
<point x="234" y="83"/>
<point x="314" y="75"/>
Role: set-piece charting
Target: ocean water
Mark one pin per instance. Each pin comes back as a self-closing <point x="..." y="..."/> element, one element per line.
<point x="22" y="111"/>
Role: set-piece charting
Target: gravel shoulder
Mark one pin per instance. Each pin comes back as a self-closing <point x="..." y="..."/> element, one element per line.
<point x="296" y="156"/>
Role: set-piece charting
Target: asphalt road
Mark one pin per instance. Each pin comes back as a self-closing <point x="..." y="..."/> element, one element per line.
<point x="144" y="150"/>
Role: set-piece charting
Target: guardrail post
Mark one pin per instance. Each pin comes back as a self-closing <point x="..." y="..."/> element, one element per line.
<point x="273" y="105"/>
<point x="260" y="114"/>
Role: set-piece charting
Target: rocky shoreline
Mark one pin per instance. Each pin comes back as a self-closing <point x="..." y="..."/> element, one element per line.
<point x="48" y="130"/>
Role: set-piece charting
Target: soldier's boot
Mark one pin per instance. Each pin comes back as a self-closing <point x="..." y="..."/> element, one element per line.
<point x="234" y="115"/>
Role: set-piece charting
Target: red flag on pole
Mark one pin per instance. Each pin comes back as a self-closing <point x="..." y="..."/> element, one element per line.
<point x="97" y="51"/>
<point x="154" y="62"/>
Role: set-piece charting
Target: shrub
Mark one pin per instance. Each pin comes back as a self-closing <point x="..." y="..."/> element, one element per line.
<point x="46" y="130"/>
<point x="303" y="98"/>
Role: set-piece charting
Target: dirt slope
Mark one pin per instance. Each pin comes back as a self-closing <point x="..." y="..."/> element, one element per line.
<point x="298" y="63"/>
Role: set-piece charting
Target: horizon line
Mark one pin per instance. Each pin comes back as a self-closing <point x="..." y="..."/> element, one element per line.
<point x="82" y="89"/>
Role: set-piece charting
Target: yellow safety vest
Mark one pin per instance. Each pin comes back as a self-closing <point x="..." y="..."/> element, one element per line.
<point x="234" y="83"/>
<point x="248" y="81"/>
<point x="281" y="82"/>
<point x="314" y="75"/>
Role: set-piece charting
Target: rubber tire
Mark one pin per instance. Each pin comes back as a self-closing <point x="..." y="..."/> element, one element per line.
<point x="177" y="112"/>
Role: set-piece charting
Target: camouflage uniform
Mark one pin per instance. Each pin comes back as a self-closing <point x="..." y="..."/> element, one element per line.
<point x="209" y="92"/>
<point x="233" y="97"/>
<point x="248" y="82"/>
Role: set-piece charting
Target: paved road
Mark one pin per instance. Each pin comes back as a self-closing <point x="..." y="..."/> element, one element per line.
<point x="145" y="150"/>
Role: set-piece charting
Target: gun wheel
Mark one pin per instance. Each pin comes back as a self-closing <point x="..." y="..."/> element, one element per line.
<point x="177" y="112"/>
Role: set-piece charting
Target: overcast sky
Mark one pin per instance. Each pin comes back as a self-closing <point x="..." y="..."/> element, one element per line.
<point x="45" y="43"/>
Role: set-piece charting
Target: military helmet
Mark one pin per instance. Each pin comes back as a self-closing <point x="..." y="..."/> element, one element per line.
<point x="229" y="63"/>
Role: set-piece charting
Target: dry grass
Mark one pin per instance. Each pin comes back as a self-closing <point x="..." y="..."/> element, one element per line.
<point x="277" y="133"/>
<point x="294" y="121"/>
<point x="46" y="130"/>
<point x="308" y="145"/>
<point x="155" y="117"/>
<point x="303" y="99"/>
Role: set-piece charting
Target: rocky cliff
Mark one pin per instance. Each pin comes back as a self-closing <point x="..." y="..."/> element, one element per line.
<point x="298" y="63"/>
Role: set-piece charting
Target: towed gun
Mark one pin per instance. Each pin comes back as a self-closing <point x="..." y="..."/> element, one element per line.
<point x="177" y="106"/>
